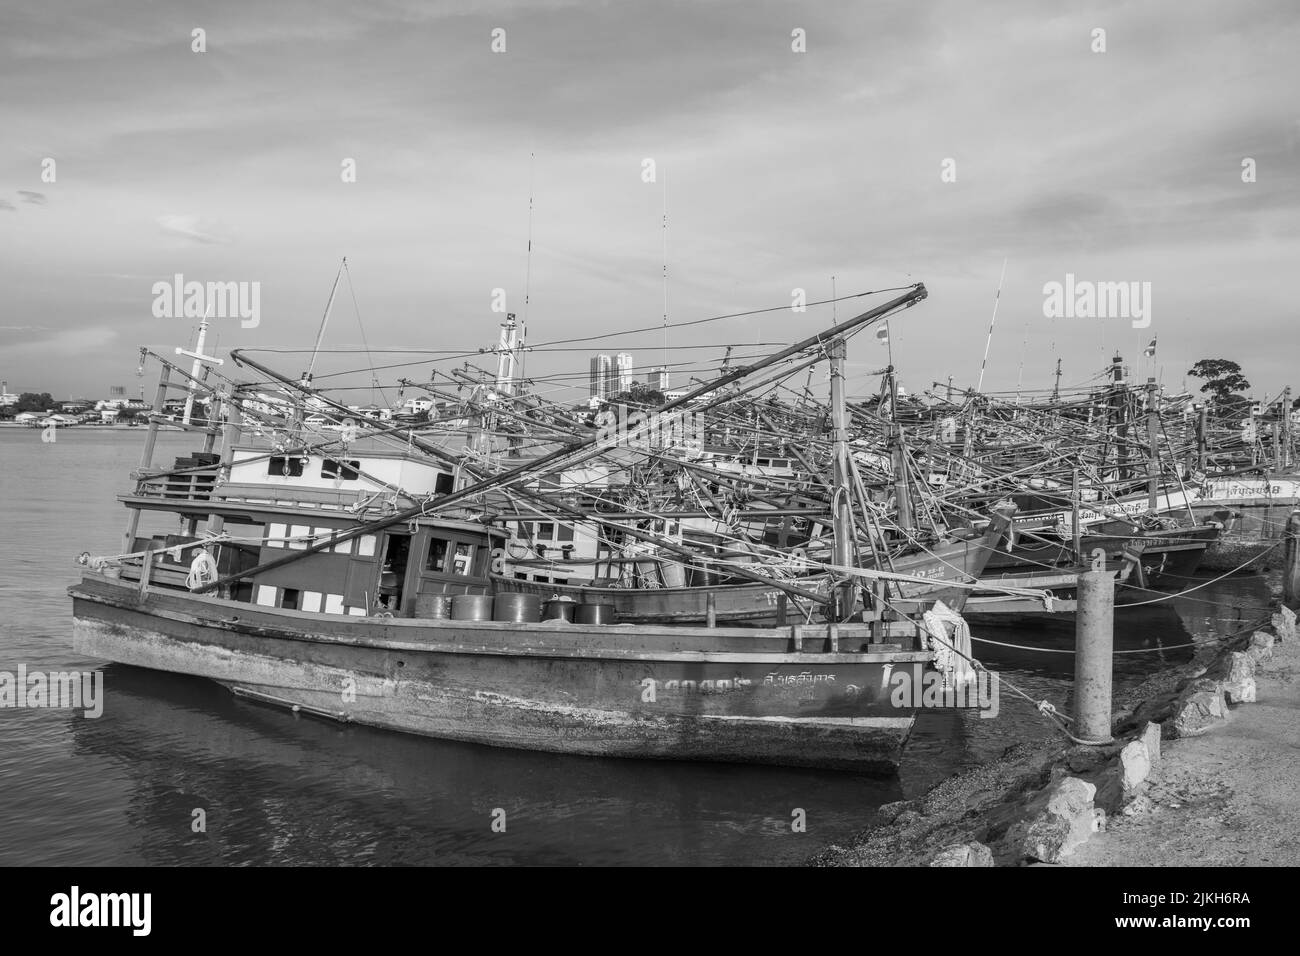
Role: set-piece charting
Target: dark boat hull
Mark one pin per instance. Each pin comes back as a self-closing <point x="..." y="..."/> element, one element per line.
<point x="723" y="694"/>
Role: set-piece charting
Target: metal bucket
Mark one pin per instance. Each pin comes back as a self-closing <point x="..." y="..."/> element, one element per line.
<point x="433" y="606"/>
<point x="559" y="609"/>
<point x="517" y="608"/>
<point x="594" y="614"/>
<point x="471" y="607"/>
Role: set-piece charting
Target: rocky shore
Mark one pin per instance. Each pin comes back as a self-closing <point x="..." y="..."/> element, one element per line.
<point x="1041" y="803"/>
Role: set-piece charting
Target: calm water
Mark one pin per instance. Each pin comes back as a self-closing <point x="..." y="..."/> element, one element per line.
<point x="280" y="789"/>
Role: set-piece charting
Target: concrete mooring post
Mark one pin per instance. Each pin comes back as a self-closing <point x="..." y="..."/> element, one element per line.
<point x="1094" y="646"/>
<point x="1291" y="564"/>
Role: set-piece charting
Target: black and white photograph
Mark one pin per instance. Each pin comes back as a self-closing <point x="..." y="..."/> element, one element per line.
<point x="589" y="433"/>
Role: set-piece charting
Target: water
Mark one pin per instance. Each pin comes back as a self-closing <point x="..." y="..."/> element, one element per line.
<point x="280" y="789"/>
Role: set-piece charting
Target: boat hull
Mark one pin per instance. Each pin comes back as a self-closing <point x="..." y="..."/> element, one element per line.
<point x="563" y="688"/>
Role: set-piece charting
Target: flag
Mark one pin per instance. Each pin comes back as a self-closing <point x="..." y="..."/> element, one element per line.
<point x="882" y="334"/>
<point x="1150" y="349"/>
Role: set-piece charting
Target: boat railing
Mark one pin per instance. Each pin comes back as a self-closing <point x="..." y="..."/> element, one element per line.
<point x="195" y="484"/>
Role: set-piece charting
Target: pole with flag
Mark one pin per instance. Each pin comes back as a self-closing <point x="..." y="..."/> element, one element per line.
<point x="1150" y="352"/>
<point x="882" y="336"/>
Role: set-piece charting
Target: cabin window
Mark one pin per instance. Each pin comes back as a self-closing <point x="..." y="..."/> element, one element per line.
<point x="437" y="554"/>
<point x="462" y="559"/>
<point x="341" y="470"/>
<point x="520" y="576"/>
<point x="566" y="532"/>
<point x="289" y="598"/>
<point x="545" y="530"/>
<point x="444" y="484"/>
<point x="284" y="466"/>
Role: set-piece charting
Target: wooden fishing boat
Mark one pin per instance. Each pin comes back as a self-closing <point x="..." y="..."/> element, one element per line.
<point x="356" y="583"/>
<point x="797" y="696"/>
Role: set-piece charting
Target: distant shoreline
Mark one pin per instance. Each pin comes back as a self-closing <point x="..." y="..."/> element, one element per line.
<point x="94" y="428"/>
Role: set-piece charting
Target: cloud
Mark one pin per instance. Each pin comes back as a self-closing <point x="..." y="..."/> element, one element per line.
<point x="7" y="205"/>
<point x="37" y="199"/>
<point x="191" y="227"/>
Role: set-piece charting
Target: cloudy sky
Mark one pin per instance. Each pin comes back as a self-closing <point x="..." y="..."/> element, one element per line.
<point x="782" y="169"/>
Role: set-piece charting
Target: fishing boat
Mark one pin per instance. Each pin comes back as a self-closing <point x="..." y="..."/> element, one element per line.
<point x="355" y="580"/>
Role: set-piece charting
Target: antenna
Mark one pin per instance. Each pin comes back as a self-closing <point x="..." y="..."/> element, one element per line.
<point x="992" y="322"/>
<point x="665" y="269"/>
<point x="1024" y="345"/>
<point x="528" y="270"/>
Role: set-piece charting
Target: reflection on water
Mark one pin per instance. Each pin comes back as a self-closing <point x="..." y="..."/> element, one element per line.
<point x="281" y="789"/>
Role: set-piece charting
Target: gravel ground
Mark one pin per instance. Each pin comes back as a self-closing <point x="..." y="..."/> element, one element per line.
<point x="1228" y="798"/>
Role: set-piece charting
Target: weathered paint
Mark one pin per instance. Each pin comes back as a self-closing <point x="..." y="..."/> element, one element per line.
<point x="727" y="694"/>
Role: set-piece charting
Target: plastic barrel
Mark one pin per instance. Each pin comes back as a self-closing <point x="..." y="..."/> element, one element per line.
<point x="429" y="606"/>
<point x="559" y="609"/>
<point x="517" y="608"/>
<point x="471" y="607"/>
<point x="594" y="614"/>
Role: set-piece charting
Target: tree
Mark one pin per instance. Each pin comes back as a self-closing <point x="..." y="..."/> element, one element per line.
<point x="640" y="395"/>
<point x="1222" y="379"/>
<point x="32" y="402"/>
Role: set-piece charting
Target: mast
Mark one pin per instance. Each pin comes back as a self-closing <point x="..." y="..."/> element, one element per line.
<point x="1153" y="452"/>
<point x="1202" y="420"/>
<point x="841" y="501"/>
<point x="993" y="321"/>
<point x="199" y="360"/>
<point x="507" y="355"/>
<point x="898" y="455"/>
<point x="306" y="376"/>
<point x="1286" y="428"/>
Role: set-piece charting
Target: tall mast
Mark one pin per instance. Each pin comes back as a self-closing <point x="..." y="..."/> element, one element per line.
<point x="898" y="454"/>
<point x="993" y="321"/>
<point x="306" y="376"/>
<point x="1153" y="452"/>
<point x="199" y="360"/>
<point x="842" y="498"/>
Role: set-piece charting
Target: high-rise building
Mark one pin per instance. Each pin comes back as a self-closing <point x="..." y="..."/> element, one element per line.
<point x="623" y="371"/>
<point x="658" y="379"/>
<point x="601" y="373"/>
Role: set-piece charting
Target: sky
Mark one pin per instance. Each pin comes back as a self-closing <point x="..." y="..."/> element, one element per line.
<point x="906" y="142"/>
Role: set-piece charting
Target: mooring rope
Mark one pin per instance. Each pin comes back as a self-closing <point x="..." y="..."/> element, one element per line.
<point x="1140" y="650"/>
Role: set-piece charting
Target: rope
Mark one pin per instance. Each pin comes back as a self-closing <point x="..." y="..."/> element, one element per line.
<point x="1140" y="650"/>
